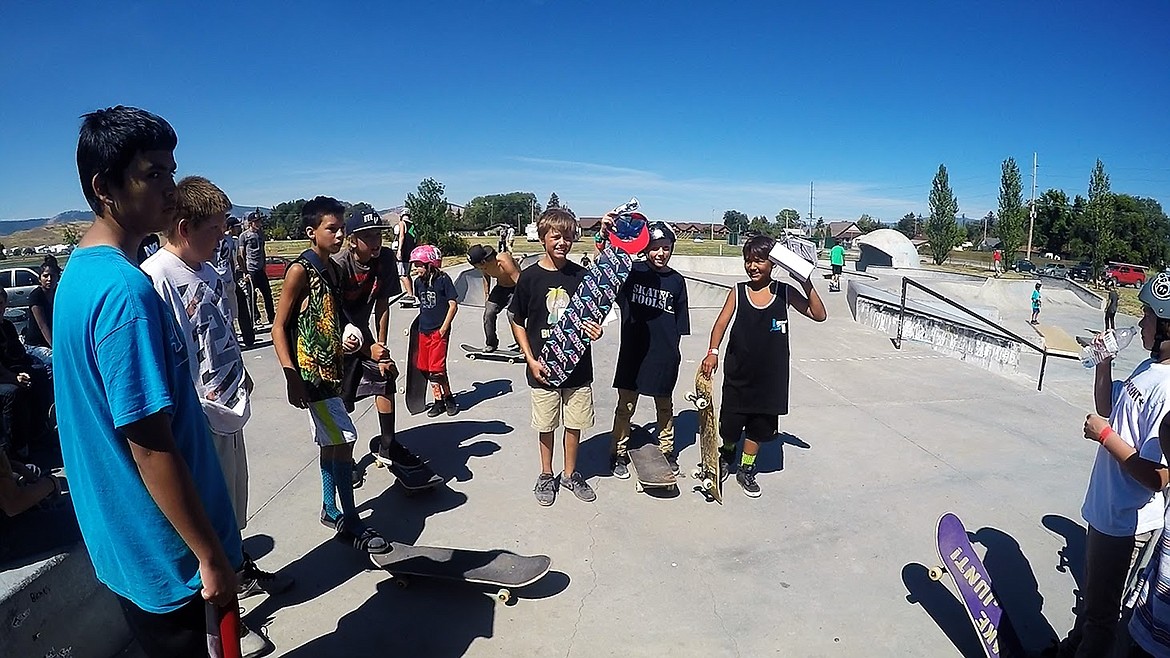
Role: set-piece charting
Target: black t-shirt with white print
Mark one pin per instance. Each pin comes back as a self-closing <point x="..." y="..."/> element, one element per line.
<point x="655" y="317"/>
<point x="540" y="298"/>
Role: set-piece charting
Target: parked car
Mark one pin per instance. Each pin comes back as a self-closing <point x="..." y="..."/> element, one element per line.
<point x="1082" y="271"/>
<point x="1124" y="274"/>
<point x="1024" y="265"/>
<point x="19" y="282"/>
<point x="275" y="267"/>
<point x="1054" y="270"/>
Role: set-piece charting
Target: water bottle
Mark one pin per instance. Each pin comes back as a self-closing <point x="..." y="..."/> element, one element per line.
<point x="1107" y="344"/>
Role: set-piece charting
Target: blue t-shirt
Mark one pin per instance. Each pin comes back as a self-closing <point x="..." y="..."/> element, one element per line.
<point x="1035" y="299"/>
<point x="433" y="301"/>
<point x="120" y="358"/>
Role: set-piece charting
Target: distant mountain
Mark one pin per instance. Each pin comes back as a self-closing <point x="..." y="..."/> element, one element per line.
<point x="10" y="226"/>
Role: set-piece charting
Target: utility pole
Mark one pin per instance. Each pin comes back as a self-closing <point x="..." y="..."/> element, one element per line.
<point x="1032" y="207"/>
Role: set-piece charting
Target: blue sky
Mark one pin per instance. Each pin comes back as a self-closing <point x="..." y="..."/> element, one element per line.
<point x="694" y="107"/>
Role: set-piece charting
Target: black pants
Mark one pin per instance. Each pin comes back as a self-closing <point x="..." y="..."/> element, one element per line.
<point x="1110" y="322"/>
<point x="260" y="286"/>
<point x="181" y="633"/>
<point x="17" y="405"/>
<point x="247" y="329"/>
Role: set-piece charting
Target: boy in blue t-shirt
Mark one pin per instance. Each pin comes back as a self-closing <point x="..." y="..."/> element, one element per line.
<point x="146" y="483"/>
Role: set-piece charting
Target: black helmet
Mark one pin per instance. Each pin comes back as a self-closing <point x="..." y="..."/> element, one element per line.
<point x="660" y="230"/>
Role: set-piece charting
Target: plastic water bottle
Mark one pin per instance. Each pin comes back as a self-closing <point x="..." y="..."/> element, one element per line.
<point x="1107" y="344"/>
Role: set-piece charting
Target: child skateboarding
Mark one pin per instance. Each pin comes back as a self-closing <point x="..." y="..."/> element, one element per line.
<point x="503" y="268"/>
<point x="655" y="317"/>
<point x="542" y="294"/>
<point x="307" y="339"/>
<point x="755" y="381"/>
<point x="1036" y="305"/>
<point x="1124" y="504"/>
<point x="369" y="280"/>
<point x="437" y="305"/>
<point x="837" y="262"/>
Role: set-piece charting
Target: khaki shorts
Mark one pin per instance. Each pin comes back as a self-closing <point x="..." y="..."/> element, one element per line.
<point x="329" y="423"/>
<point x="572" y="407"/>
<point x="233" y="459"/>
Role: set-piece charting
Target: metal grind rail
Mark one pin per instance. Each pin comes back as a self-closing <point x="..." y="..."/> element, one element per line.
<point x="1006" y="333"/>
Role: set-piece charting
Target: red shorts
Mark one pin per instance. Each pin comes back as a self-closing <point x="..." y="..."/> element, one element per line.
<point x="432" y="353"/>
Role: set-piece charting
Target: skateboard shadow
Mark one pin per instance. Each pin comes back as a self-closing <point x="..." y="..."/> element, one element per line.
<point x="442" y="444"/>
<point x="481" y="392"/>
<point x="1070" y="558"/>
<point x="257" y="546"/>
<point x="1016" y="587"/>
<point x="942" y="606"/>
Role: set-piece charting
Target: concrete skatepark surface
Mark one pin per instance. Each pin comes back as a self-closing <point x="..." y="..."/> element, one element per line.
<point x="831" y="561"/>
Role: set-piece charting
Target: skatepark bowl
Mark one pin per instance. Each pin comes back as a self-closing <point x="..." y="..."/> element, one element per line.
<point x="832" y="560"/>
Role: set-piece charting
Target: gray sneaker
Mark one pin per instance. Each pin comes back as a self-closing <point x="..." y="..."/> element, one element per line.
<point x="253" y="644"/>
<point x="546" y="489"/>
<point x="577" y="484"/>
<point x="619" y="466"/>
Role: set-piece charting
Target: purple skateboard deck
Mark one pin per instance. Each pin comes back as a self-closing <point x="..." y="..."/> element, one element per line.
<point x="974" y="585"/>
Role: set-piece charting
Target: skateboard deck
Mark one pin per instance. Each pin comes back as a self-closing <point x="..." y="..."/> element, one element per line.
<point x="223" y="630"/>
<point x="474" y="353"/>
<point x="496" y="568"/>
<point x="411" y="482"/>
<point x="593" y="298"/>
<point x="416" y="382"/>
<point x="650" y="469"/>
<point x="707" y="472"/>
<point x="973" y="583"/>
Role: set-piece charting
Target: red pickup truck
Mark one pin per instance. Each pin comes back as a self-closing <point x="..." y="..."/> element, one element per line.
<point x="1124" y="274"/>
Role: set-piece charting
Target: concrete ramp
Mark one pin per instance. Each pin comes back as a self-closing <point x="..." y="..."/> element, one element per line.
<point x="1009" y="295"/>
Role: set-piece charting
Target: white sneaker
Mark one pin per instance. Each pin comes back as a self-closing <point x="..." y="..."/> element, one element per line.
<point x="253" y="644"/>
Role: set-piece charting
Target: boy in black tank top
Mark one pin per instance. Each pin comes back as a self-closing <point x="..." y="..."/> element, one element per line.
<point x="755" y="381"/>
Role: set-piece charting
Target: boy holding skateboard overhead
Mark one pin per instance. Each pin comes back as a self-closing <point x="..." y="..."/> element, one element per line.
<point x="503" y="268"/>
<point x="369" y="279"/>
<point x="755" y="382"/>
<point x="307" y="337"/>
<point x="542" y="295"/>
<point x="655" y="317"/>
<point x="437" y="305"/>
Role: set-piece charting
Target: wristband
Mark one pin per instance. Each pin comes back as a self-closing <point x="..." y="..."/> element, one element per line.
<point x="713" y="351"/>
<point x="1104" y="434"/>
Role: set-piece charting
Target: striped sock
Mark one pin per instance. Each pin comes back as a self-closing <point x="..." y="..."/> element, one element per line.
<point x="328" y="491"/>
<point x="747" y="460"/>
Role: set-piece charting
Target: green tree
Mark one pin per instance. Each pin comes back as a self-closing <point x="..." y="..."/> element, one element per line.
<point x="1099" y="213"/>
<point x="285" y="221"/>
<point x="735" y="221"/>
<point x="1054" y="222"/>
<point x="1010" y="228"/>
<point x="941" y="228"/>
<point x="430" y="212"/>
<point x="493" y="209"/>
<point x="789" y="218"/>
<point x="908" y="225"/>
<point x="554" y="201"/>
<point x="69" y="234"/>
<point x="761" y="226"/>
<point x="867" y="224"/>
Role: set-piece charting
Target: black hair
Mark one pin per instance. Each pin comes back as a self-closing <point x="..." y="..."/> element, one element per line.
<point x="315" y="210"/>
<point x="50" y="262"/>
<point x="758" y="247"/>
<point x="110" y="139"/>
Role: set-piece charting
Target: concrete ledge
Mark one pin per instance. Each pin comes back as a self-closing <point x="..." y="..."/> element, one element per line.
<point x="57" y="608"/>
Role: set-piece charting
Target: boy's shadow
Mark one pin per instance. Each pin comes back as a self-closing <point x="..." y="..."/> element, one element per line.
<point x="942" y="606"/>
<point x="1070" y="558"/>
<point x="1015" y="587"/>
<point x="482" y="391"/>
<point x="770" y="459"/>
<point x="441" y="444"/>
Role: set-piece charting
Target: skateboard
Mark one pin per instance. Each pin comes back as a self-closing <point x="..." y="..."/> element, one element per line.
<point x="223" y="630"/>
<point x="495" y="568"/>
<point x="974" y="586"/>
<point x="595" y="295"/>
<point x="707" y="472"/>
<point x="411" y="482"/>
<point x="650" y="469"/>
<point x="474" y="353"/>
<point x="416" y="381"/>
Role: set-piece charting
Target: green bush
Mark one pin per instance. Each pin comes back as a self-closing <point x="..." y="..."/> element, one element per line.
<point x="452" y="245"/>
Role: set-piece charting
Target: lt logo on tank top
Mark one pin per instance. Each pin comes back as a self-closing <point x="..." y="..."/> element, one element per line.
<point x="780" y="325"/>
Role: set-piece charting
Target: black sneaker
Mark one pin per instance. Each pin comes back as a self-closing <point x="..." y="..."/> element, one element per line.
<point x="746" y="477"/>
<point x="619" y="466"/>
<point x="358" y="476"/>
<point x="673" y="461"/>
<point x="577" y="484"/>
<point x="545" y="489"/>
<point x="253" y="581"/>
<point x="437" y="408"/>
<point x="450" y="406"/>
<point x="724" y="465"/>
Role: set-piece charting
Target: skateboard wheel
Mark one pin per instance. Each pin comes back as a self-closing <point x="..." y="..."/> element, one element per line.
<point x="638" y="487"/>
<point x="503" y="596"/>
<point x="689" y="397"/>
<point x="402" y="582"/>
<point x="702" y="403"/>
<point x="708" y="484"/>
<point x="935" y="573"/>
<point x="697" y="473"/>
<point x="470" y="357"/>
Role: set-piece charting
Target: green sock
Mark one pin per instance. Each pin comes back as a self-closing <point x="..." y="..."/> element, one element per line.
<point x="747" y="460"/>
<point x="728" y="447"/>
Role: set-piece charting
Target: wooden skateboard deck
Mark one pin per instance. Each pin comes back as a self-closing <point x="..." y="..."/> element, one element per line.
<point x="650" y="468"/>
<point x="416" y="382"/>
<point x="474" y="353"/>
<point x="974" y="586"/>
<point x="707" y="472"/>
<point x="496" y="568"/>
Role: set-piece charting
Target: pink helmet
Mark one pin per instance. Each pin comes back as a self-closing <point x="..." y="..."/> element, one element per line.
<point x="427" y="255"/>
